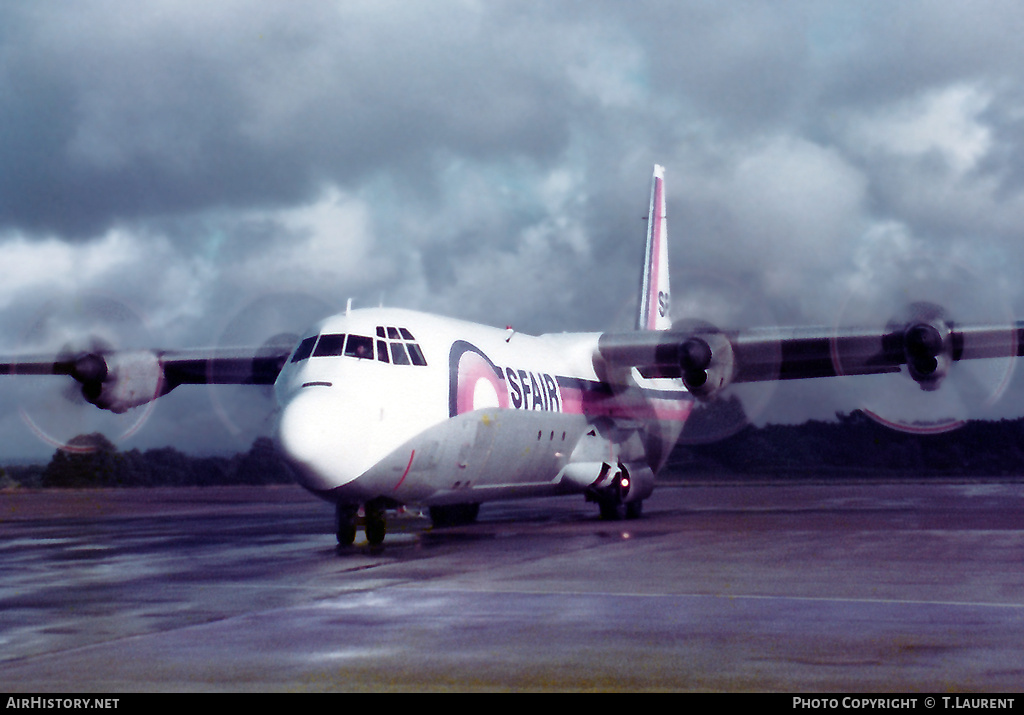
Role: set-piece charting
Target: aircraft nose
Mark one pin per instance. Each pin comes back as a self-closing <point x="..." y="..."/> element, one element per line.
<point x="312" y="432"/>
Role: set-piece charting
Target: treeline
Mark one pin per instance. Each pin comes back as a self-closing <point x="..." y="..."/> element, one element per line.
<point x="853" y="445"/>
<point x="92" y="461"/>
<point x="856" y="445"/>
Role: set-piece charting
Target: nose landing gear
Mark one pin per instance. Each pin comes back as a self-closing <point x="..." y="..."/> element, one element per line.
<point x="376" y="523"/>
<point x="346" y="519"/>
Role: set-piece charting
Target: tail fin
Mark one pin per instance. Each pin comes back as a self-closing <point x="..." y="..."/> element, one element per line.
<point x="655" y="295"/>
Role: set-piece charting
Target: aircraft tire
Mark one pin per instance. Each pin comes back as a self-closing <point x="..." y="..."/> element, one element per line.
<point x="635" y="509"/>
<point x="345" y="516"/>
<point x="611" y="509"/>
<point x="376" y="524"/>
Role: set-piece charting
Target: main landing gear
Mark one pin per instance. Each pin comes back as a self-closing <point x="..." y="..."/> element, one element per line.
<point x="346" y="519"/>
<point x="614" y="510"/>
<point x="611" y="500"/>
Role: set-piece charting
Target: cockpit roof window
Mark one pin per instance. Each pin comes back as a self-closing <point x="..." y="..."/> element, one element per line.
<point x="398" y="354"/>
<point x="416" y="354"/>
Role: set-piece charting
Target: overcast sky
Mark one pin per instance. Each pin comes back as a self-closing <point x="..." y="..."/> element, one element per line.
<point x="198" y="163"/>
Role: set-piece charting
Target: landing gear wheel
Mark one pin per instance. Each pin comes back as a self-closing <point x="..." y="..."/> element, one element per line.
<point x="345" y="516"/>
<point x="635" y="509"/>
<point x="611" y="499"/>
<point x="613" y="509"/>
<point x="376" y="523"/>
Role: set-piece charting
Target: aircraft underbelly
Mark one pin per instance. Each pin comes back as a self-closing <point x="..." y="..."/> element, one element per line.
<point x="476" y="456"/>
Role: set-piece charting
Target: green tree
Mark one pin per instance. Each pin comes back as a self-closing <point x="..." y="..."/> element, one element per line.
<point x="262" y="464"/>
<point x="86" y="461"/>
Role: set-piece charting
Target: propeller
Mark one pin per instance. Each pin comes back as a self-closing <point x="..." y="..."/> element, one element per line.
<point x="81" y="332"/>
<point x="937" y="393"/>
<point x="703" y="303"/>
<point x="268" y="322"/>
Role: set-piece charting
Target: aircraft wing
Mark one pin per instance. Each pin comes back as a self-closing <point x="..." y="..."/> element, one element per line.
<point x="244" y="366"/>
<point x="708" y="359"/>
<point x="117" y="380"/>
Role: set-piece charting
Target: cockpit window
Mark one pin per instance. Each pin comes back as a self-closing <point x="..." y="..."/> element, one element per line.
<point x="362" y="347"/>
<point x="305" y="349"/>
<point x="329" y="345"/>
<point x="359" y="346"/>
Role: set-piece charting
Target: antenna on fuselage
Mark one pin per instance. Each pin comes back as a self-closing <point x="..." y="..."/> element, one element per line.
<point x="348" y="307"/>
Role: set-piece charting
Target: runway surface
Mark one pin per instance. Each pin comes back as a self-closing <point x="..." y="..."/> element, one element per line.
<point x="780" y="587"/>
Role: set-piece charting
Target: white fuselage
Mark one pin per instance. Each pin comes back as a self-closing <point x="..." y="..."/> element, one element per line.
<point x="416" y="408"/>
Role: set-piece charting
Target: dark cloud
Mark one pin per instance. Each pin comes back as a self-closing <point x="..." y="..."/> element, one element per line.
<point x="180" y="110"/>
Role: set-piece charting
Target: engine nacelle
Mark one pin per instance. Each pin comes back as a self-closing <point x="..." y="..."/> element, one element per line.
<point x="928" y="349"/>
<point x="926" y="341"/>
<point x="698" y="352"/>
<point x="707" y="361"/>
<point x="120" y="381"/>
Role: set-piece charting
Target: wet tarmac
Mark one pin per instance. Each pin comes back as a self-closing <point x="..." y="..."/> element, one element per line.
<point x="768" y="587"/>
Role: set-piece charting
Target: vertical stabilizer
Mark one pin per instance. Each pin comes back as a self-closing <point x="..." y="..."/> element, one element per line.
<point x="655" y="295"/>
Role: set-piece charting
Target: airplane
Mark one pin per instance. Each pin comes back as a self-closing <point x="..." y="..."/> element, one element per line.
<point x="381" y="407"/>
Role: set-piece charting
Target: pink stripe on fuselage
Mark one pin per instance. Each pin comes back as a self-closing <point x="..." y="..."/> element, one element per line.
<point x="406" y="472"/>
<point x="581" y="402"/>
<point x="653" y="287"/>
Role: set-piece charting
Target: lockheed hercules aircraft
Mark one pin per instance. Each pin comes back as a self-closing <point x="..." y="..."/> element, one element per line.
<point x="381" y="408"/>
